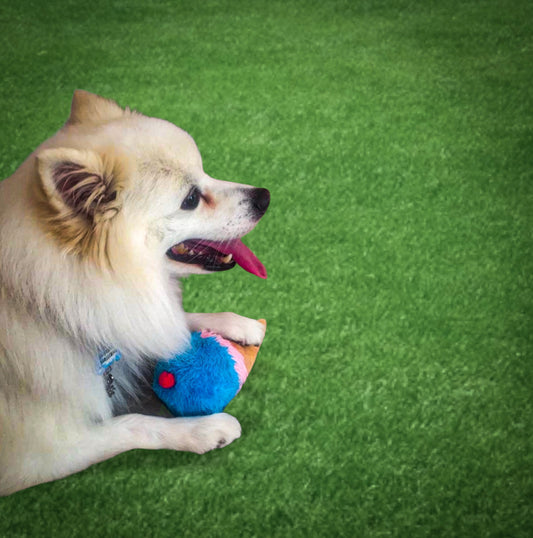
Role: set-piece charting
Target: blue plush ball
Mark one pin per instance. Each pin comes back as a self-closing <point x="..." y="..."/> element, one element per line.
<point x="200" y="381"/>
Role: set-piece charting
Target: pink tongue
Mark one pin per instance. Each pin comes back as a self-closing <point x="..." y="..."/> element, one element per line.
<point x="241" y="254"/>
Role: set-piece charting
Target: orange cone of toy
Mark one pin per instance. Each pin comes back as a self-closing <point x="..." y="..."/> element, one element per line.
<point x="249" y="352"/>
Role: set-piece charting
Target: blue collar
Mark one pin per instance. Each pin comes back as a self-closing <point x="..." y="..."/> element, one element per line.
<point x="105" y="359"/>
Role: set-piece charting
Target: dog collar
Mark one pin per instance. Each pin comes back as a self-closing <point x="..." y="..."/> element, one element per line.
<point x="104" y="361"/>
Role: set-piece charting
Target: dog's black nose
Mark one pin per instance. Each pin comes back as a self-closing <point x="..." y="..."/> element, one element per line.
<point x="260" y="199"/>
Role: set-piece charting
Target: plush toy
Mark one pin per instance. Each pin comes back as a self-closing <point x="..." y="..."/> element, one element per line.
<point x="206" y="377"/>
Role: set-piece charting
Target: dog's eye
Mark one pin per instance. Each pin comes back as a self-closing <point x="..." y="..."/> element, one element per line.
<point x="192" y="200"/>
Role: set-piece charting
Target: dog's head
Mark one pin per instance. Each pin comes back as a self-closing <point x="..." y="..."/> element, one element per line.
<point x="121" y="190"/>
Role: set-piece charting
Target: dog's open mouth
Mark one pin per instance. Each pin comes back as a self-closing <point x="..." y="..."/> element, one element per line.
<point x="217" y="255"/>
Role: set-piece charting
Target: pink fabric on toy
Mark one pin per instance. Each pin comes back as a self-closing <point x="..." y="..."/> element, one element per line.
<point x="235" y="354"/>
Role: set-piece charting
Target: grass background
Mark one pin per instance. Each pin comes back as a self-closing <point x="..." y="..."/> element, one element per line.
<point x="393" y="393"/>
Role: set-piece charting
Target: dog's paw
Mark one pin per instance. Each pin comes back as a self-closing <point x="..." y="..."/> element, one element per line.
<point x="213" y="431"/>
<point x="246" y="331"/>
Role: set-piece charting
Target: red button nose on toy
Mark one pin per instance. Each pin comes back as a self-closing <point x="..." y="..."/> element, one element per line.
<point x="166" y="380"/>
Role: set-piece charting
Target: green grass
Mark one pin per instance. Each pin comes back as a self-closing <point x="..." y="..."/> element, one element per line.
<point x="393" y="393"/>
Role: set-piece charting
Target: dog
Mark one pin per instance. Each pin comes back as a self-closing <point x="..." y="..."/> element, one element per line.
<point x="97" y="226"/>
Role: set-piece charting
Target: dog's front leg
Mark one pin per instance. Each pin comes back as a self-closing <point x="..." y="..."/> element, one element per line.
<point x="232" y="326"/>
<point x="190" y="434"/>
<point x="83" y="447"/>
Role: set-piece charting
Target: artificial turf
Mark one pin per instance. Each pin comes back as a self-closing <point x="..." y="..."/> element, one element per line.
<point x="393" y="393"/>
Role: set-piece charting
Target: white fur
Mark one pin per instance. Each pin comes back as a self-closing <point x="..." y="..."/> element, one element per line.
<point x="57" y="308"/>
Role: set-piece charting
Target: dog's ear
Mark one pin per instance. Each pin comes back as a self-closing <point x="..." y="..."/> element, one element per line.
<point x="81" y="183"/>
<point x="88" y="107"/>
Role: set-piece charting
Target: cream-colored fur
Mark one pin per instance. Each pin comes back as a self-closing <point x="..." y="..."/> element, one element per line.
<point x="83" y="265"/>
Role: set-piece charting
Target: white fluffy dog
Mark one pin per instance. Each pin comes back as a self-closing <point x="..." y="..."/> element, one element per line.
<point x="96" y="227"/>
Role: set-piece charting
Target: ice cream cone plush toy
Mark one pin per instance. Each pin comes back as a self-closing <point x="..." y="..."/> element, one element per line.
<point x="206" y="377"/>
